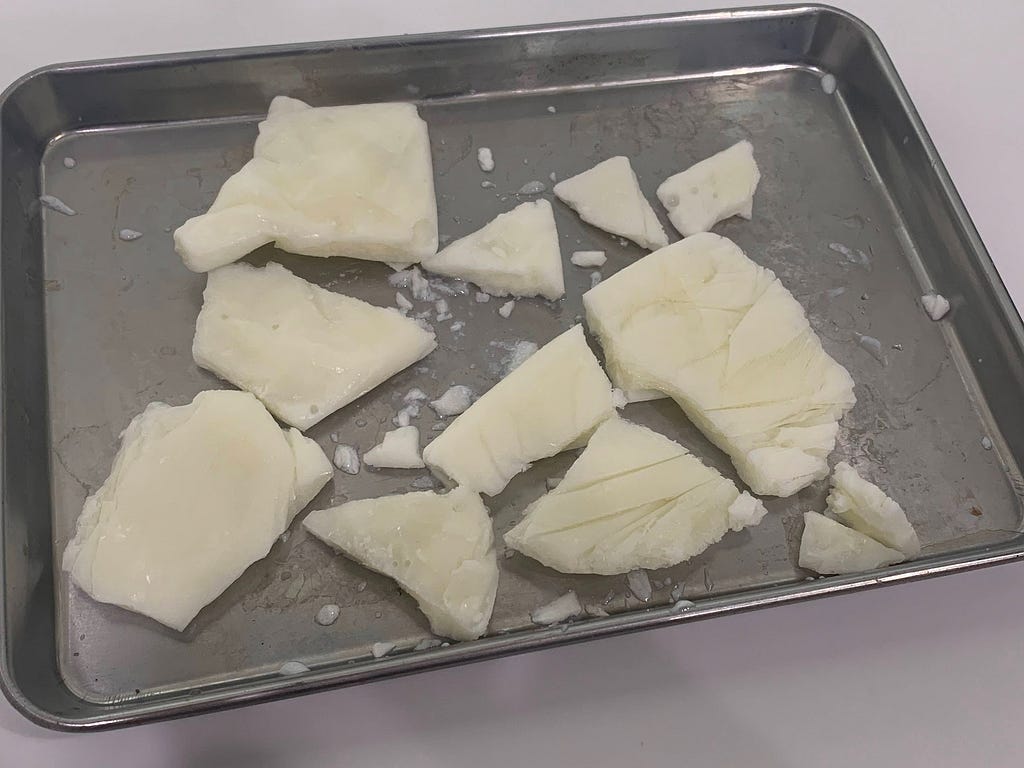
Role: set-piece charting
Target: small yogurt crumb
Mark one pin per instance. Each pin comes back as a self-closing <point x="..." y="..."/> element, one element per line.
<point x="485" y="158"/>
<point x="986" y="443"/>
<point x="405" y="416"/>
<point x="487" y="184"/>
<point x="401" y="279"/>
<point x="565" y="607"/>
<point x="453" y="402"/>
<point x="404" y="305"/>
<point x="457" y="326"/>
<point x="595" y="278"/>
<point x="382" y="649"/>
<point x="292" y="668"/>
<point x="553" y="177"/>
<point x="415" y="395"/>
<point x="421" y="290"/>
<point x="619" y="399"/>
<point x="639" y="584"/>
<point x="327" y="615"/>
<point x="873" y="347"/>
<point x="935" y="305"/>
<point x="70" y="162"/>
<point x="129" y="234"/>
<point x="441" y="306"/>
<point x="552" y="109"/>
<point x="532" y="188"/>
<point x="425" y="643"/>
<point x="828" y="83"/>
<point x="56" y="204"/>
<point x="506" y="309"/>
<point x="481" y="297"/>
<point x="588" y="258"/>
<point x="346" y="458"/>
<point x="400" y="449"/>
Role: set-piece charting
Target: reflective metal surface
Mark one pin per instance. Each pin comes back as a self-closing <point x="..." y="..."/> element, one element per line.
<point x="853" y="197"/>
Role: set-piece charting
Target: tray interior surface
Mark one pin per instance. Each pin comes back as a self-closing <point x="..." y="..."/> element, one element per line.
<point x="116" y="321"/>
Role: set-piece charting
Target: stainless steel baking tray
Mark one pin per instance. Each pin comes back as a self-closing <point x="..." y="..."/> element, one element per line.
<point x="853" y="197"/>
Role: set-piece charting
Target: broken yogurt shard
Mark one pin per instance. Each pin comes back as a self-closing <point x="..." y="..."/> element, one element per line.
<point x="608" y="196"/>
<point x="716" y="188"/>
<point x="516" y="254"/>
<point x="439" y="548"/>
<point x="633" y="500"/>
<point x="864" y="507"/>
<point x="352" y="181"/>
<point x="831" y="548"/>
<point x="721" y="335"/>
<point x="164" y="535"/>
<point x="303" y="350"/>
<point x="553" y="401"/>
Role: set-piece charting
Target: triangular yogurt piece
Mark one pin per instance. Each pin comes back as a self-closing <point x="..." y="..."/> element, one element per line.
<point x="516" y="254"/>
<point x="609" y="197"/>
<point x="439" y="548"/>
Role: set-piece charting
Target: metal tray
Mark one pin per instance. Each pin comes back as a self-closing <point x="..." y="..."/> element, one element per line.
<point x="853" y="197"/>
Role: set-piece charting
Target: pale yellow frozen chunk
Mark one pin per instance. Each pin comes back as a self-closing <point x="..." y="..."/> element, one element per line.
<point x="516" y="254"/>
<point x="440" y="549"/>
<point x="704" y="324"/>
<point x="609" y="197"/>
<point x="352" y="181"/>
<point x="197" y="493"/>
<point x="829" y="547"/>
<point x="552" y="401"/>
<point x="721" y="186"/>
<point x="864" y="507"/>
<point x="633" y="499"/>
<point x="303" y="350"/>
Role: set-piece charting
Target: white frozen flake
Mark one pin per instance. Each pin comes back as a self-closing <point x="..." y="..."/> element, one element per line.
<point x="327" y="615"/>
<point x="380" y="650"/>
<point x="588" y="258"/>
<point x="453" y="402"/>
<point x="639" y="584"/>
<point x="129" y="234"/>
<point x="400" y="449"/>
<point x="935" y="305"/>
<point x="56" y="204"/>
<point x="485" y="158"/>
<point x="565" y="607"/>
<point x="532" y="188"/>
<point x="290" y="668"/>
<point x="506" y="309"/>
<point x="346" y="458"/>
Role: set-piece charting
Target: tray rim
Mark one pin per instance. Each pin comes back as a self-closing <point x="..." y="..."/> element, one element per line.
<point x="227" y="696"/>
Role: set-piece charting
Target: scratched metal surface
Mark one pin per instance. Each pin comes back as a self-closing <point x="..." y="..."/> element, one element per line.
<point x="120" y="318"/>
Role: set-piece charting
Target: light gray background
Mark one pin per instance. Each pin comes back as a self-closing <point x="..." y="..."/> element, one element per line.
<point x="927" y="674"/>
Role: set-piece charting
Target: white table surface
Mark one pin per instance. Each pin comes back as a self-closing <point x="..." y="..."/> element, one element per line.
<point x="928" y="674"/>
